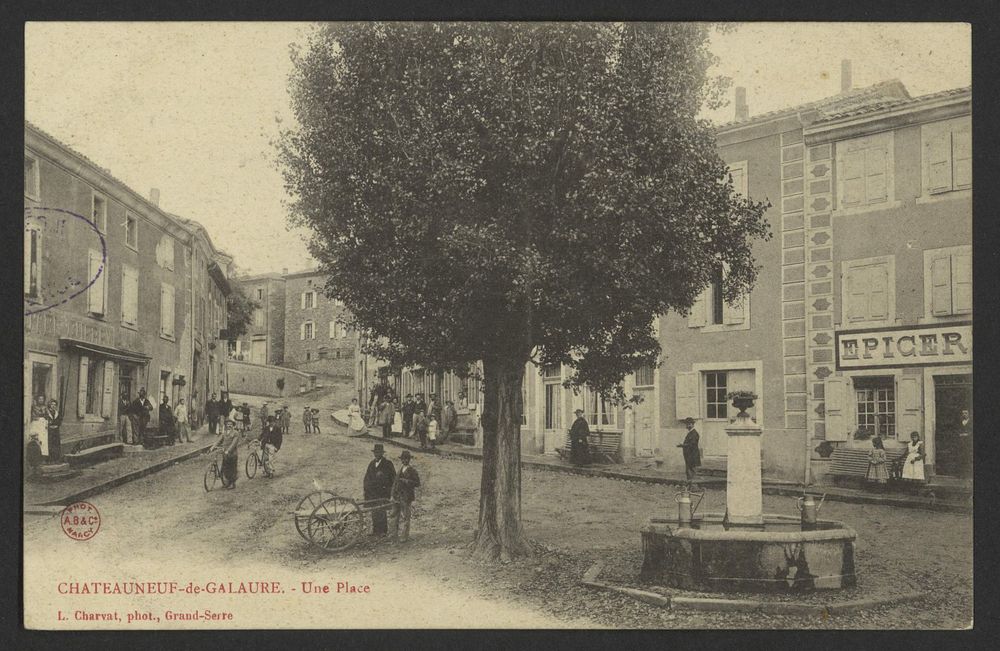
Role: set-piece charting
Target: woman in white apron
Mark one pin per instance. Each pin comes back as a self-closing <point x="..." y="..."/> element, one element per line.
<point x="913" y="467"/>
<point x="355" y="423"/>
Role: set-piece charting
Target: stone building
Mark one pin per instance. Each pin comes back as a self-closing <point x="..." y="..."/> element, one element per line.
<point x="264" y="341"/>
<point x="118" y="295"/>
<point x="317" y="339"/>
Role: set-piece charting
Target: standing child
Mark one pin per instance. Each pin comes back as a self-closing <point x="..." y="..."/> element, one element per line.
<point x="315" y="421"/>
<point x="286" y="420"/>
<point x="420" y="427"/>
<point x="432" y="430"/>
<point x="307" y="420"/>
<point x="878" y="469"/>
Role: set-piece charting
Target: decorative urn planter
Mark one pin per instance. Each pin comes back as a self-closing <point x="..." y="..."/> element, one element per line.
<point x="743" y="403"/>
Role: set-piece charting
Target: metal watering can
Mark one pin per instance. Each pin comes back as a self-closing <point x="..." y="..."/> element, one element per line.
<point x="685" y="506"/>
<point x="808" y="508"/>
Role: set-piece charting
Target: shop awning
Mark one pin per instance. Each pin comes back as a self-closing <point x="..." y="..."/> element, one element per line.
<point x="113" y="353"/>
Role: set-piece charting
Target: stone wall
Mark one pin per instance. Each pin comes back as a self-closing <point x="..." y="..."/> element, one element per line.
<point x="260" y="380"/>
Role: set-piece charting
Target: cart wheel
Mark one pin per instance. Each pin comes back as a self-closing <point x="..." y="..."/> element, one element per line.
<point x="335" y="524"/>
<point x="251" y="466"/>
<point x="211" y="476"/>
<point x="305" y="509"/>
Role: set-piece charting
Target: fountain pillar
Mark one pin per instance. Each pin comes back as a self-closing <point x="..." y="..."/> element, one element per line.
<point x="744" y="501"/>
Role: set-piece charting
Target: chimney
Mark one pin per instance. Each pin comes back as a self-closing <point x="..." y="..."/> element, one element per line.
<point x="846" y="83"/>
<point x="154" y="197"/>
<point x="742" y="110"/>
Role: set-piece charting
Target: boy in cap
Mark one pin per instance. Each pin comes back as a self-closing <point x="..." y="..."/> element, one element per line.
<point x="403" y="495"/>
<point x="378" y="483"/>
<point x="692" y="454"/>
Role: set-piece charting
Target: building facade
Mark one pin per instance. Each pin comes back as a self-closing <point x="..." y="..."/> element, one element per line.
<point x="264" y="340"/>
<point x="317" y="339"/>
<point x="111" y="288"/>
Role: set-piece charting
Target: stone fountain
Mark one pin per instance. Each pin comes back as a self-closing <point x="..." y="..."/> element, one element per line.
<point x="745" y="549"/>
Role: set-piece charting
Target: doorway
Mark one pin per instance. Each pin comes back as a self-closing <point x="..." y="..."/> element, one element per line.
<point x="644" y="423"/>
<point x="952" y="395"/>
<point x="39" y="380"/>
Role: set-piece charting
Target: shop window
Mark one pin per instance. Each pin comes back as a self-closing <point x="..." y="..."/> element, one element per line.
<point x="716" y="406"/>
<point x="131" y="231"/>
<point x="868" y="289"/>
<point x="864" y="171"/>
<point x="99" y="212"/>
<point x="31" y="177"/>
<point x="876" y="405"/>
<point x="947" y="156"/>
<point x="32" y="262"/>
<point x="130" y="295"/>
<point x="98" y="274"/>
<point x="948" y="281"/>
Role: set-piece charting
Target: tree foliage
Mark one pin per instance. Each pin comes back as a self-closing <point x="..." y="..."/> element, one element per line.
<point x="239" y="309"/>
<point x="491" y="189"/>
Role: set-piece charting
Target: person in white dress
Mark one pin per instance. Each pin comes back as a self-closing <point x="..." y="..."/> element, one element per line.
<point x="355" y="423"/>
<point x="913" y="467"/>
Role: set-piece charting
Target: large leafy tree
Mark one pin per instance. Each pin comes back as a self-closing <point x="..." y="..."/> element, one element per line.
<point x="512" y="193"/>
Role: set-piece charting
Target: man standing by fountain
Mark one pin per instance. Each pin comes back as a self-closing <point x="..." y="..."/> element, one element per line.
<point x="692" y="453"/>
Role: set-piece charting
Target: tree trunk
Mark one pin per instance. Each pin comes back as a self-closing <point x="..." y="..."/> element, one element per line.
<point x="500" y="534"/>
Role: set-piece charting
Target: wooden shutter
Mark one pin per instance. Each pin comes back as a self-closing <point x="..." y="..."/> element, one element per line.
<point x="167" y="309"/>
<point x="333" y="329"/>
<point x="856" y="290"/>
<point x="95" y="273"/>
<point x="939" y="163"/>
<point x="109" y="376"/>
<point x="81" y="394"/>
<point x="878" y="296"/>
<point x="853" y="179"/>
<point x="28" y="237"/>
<point x="130" y="294"/>
<point x="699" y="311"/>
<point x="735" y="314"/>
<point x="686" y="395"/>
<point x="876" y="174"/>
<point x="739" y="180"/>
<point x="303" y="300"/>
<point x="909" y="407"/>
<point x="835" y="392"/>
<point x="961" y="283"/>
<point x="302" y="331"/>
<point x="941" y="286"/>
<point x="961" y="153"/>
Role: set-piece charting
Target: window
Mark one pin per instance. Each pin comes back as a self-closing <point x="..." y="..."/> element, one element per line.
<point x="333" y="329"/>
<point x="308" y="300"/>
<point x="258" y="317"/>
<point x="598" y="410"/>
<point x="947" y="156"/>
<point x="32" y="261"/>
<point x="31" y="177"/>
<point x="308" y="356"/>
<point x="716" y="405"/>
<point x="876" y="400"/>
<point x="92" y="389"/>
<point x="130" y="295"/>
<point x="260" y="293"/>
<point x="644" y="375"/>
<point x="552" y="371"/>
<point x="307" y="331"/>
<point x="552" y="387"/>
<point x="97" y="273"/>
<point x="165" y="252"/>
<point x="99" y="212"/>
<point x="166" y="310"/>
<point x="864" y="171"/>
<point x="524" y="401"/>
<point x="131" y="231"/>
<point x="711" y="311"/>
<point x="739" y="173"/>
<point x="343" y="331"/>
<point x="164" y="384"/>
<point x="948" y="281"/>
<point x="868" y="290"/>
<point x="325" y="352"/>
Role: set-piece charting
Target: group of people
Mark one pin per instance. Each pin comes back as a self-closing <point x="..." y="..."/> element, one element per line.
<point x="878" y="473"/>
<point x="310" y="420"/>
<point x="44" y="441"/>
<point x="218" y="411"/>
<point x="430" y="423"/>
<point x="382" y="484"/>
<point x="274" y="427"/>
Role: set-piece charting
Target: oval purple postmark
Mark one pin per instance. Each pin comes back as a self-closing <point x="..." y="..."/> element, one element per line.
<point x="52" y="229"/>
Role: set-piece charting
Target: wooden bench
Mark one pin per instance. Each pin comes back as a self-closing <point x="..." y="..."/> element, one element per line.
<point x="95" y="453"/>
<point x="603" y="446"/>
<point x="853" y="462"/>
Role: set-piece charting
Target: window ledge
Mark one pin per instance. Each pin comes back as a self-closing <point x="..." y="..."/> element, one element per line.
<point x="132" y="248"/>
<point x="130" y="326"/>
<point x="167" y="337"/>
<point x="97" y="316"/>
<point x="945" y="320"/>
<point x="862" y="210"/>
<point x="723" y="327"/>
<point x="944" y="196"/>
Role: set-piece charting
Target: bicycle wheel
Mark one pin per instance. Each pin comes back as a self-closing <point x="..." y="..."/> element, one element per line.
<point x="336" y="524"/>
<point x="211" y="476"/>
<point x="251" y="465"/>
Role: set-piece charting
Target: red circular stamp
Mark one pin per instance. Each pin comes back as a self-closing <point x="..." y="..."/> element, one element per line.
<point x="80" y="520"/>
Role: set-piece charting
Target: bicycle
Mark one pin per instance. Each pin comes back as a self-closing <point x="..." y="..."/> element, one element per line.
<point x="258" y="457"/>
<point x="213" y="473"/>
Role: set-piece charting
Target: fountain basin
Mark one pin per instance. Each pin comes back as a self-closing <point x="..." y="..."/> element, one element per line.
<point x="780" y="555"/>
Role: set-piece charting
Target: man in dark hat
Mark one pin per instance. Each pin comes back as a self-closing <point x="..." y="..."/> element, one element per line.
<point x="403" y="494"/>
<point x="142" y="409"/>
<point x="692" y="453"/>
<point x="409" y="407"/>
<point x="378" y="483"/>
<point x="579" y="446"/>
<point x="212" y="412"/>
